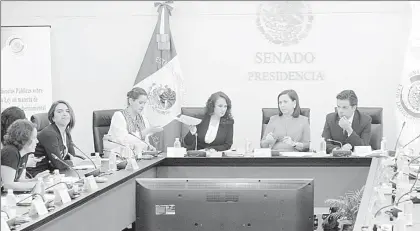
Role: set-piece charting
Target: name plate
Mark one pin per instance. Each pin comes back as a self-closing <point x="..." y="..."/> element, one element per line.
<point x="90" y="184"/>
<point x="38" y="207"/>
<point x="4" y="225"/>
<point x="61" y="196"/>
<point x="131" y="164"/>
<point x="176" y="152"/>
<point x="262" y="152"/>
<point x="362" y="150"/>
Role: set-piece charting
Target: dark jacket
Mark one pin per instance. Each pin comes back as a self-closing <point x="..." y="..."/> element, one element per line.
<point x="222" y="142"/>
<point x="50" y="142"/>
<point x="361" y="131"/>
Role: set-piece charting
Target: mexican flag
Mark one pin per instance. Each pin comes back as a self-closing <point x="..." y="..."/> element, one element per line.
<point x="160" y="75"/>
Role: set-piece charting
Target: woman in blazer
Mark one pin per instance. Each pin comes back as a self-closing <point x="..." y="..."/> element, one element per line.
<point x="55" y="140"/>
<point x="216" y="129"/>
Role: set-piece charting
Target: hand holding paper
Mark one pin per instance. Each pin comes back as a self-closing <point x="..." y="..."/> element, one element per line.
<point x="188" y="120"/>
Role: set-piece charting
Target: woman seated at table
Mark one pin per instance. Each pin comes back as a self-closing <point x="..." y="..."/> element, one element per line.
<point x="129" y="127"/>
<point x="19" y="141"/>
<point x="288" y="131"/>
<point x="215" y="132"/>
<point x="55" y="141"/>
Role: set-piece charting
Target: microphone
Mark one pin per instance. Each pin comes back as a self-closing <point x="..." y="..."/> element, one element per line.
<point x="339" y="153"/>
<point x="411" y="141"/>
<point x="95" y="172"/>
<point x="196" y="141"/>
<point x="335" y="141"/>
<point x="398" y="139"/>
<point x="74" y="170"/>
<point x="148" y="145"/>
<point x="123" y="163"/>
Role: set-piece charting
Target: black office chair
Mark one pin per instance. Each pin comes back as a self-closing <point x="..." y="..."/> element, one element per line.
<point x="377" y="124"/>
<point x="197" y="112"/>
<point x="101" y="122"/>
<point x="41" y="120"/>
<point x="268" y="112"/>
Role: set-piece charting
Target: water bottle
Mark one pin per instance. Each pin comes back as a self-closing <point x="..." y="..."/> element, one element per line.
<point x="248" y="146"/>
<point x="11" y="203"/>
<point x="177" y="143"/>
<point x="40" y="187"/>
<point x="56" y="176"/>
<point x="11" y="198"/>
<point x="323" y="146"/>
<point x="98" y="160"/>
<point x="383" y="144"/>
<point x="112" y="161"/>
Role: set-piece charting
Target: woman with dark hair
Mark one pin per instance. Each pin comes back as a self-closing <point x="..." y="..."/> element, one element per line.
<point x="129" y="127"/>
<point x="19" y="141"/>
<point x="288" y="131"/>
<point x="216" y="129"/>
<point x="55" y="140"/>
<point x="8" y="116"/>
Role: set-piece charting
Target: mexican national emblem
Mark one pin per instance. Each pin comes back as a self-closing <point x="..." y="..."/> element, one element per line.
<point x="284" y="23"/>
<point x="161" y="98"/>
<point x="408" y="97"/>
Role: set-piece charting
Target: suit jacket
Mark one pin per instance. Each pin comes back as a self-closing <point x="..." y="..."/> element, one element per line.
<point x="50" y="142"/>
<point x="222" y="142"/>
<point x="359" y="137"/>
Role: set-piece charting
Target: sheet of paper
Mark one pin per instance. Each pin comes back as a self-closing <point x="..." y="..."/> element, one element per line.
<point x="81" y="167"/>
<point x="296" y="154"/>
<point x="188" y="120"/>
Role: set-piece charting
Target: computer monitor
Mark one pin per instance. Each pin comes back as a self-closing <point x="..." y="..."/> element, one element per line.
<point x="197" y="204"/>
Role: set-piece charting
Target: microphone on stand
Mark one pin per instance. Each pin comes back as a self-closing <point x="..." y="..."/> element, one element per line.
<point x="196" y="141"/>
<point x="95" y="172"/>
<point x="399" y="136"/>
<point x="335" y="141"/>
<point x="411" y="141"/>
<point x="74" y="170"/>
<point x="123" y="163"/>
<point x="148" y="145"/>
<point x="339" y="153"/>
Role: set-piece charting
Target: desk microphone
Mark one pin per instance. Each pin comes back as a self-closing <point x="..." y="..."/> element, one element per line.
<point x="56" y="157"/>
<point x="114" y="142"/>
<point x="95" y="172"/>
<point x="196" y="141"/>
<point x="398" y="139"/>
<point x="411" y="141"/>
<point x="148" y="145"/>
<point x="335" y="141"/>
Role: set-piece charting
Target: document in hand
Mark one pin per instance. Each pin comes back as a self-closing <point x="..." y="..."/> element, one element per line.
<point x="188" y="120"/>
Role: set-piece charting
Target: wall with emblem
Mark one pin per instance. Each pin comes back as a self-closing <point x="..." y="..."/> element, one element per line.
<point x="250" y="50"/>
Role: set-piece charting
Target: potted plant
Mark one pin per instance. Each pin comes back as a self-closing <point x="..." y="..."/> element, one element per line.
<point x="343" y="211"/>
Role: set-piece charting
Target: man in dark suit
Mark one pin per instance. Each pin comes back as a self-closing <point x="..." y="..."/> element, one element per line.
<point x="347" y="125"/>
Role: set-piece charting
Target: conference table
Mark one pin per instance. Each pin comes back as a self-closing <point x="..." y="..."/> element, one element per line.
<point x="112" y="207"/>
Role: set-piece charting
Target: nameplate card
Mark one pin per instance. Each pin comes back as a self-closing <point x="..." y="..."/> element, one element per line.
<point x="131" y="164"/>
<point x="262" y="152"/>
<point x="38" y="207"/>
<point x="4" y="225"/>
<point x="176" y="152"/>
<point x="61" y="196"/>
<point x="362" y="150"/>
<point x="90" y="184"/>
